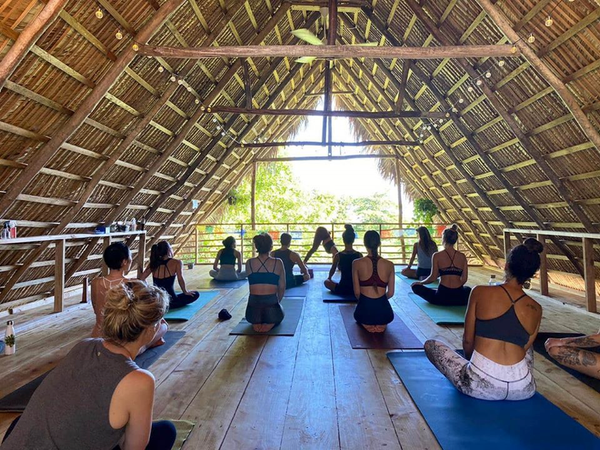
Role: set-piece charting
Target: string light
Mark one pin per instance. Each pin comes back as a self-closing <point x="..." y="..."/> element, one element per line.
<point x="196" y="101"/>
<point x="119" y="35"/>
<point x="99" y="13"/>
<point x="501" y="63"/>
<point x="531" y="38"/>
<point x="161" y="69"/>
<point x="189" y="89"/>
<point x="173" y="78"/>
<point x="549" y="21"/>
<point x="135" y="47"/>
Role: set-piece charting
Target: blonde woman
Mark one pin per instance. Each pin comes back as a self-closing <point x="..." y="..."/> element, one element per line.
<point x="97" y="397"/>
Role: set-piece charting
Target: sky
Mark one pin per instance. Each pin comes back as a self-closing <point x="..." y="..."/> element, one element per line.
<point x="353" y="178"/>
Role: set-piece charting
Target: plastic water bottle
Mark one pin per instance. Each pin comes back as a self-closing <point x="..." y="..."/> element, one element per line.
<point x="492" y="281"/>
<point x="10" y="346"/>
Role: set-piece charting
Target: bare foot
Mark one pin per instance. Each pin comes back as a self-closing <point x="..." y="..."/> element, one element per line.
<point x="375" y="328"/>
<point x="158" y="343"/>
<point x="262" y="327"/>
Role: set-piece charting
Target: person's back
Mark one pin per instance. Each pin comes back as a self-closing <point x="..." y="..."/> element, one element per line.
<point x="451" y="265"/>
<point x="224" y="266"/>
<point x="345" y="265"/>
<point x="286" y="257"/>
<point x="290" y="259"/>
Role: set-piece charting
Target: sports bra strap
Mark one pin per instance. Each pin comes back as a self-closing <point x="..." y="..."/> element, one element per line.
<point x="262" y="264"/>
<point x="509" y="296"/>
<point x="451" y="258"/>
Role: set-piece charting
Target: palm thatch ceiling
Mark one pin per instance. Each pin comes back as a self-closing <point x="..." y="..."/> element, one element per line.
<point x="92" y="131"/>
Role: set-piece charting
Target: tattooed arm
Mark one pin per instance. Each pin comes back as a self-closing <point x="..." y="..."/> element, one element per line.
<point x="592" y="340"/>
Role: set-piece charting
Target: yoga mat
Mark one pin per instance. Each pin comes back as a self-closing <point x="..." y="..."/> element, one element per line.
<point x="441" y="314"/>
<point x="184" y="429"/>
<point x="538" y="346"/>
<point x="186" y="312"/>
<point x="396" y="335"/>
<point x="292" y="308"/>
<point x="410" y="281"/>
<point x="216" y="284"/>
<point x="297" y="291"/>
<point x="17" y="400"/>
<point x="330" y="297"/>
<point x="460" y="422"/>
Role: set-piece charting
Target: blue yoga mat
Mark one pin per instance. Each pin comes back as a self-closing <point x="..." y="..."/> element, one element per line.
<point x="410" y="281"/>
<point x="460" y="422"/>
<point x="188" y="311"/>
<point x="454" y="315"/>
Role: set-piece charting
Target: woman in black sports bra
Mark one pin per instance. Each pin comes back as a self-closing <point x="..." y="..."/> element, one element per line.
<point x="373" y="279"/>
<point x="344" y="260"/>
<point x="164" y="269"/>
<point x="451" y="267"/>
<point x="501" y="324"/>
<point x="322" y="236"/>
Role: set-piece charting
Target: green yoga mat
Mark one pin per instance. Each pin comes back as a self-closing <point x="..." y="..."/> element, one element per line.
<point x="441" y="314"/>
<point x="292" y="308"/>
<point x="186" y="312"/>
<point x="410" y="281"/>
<point x="184" y="429"/>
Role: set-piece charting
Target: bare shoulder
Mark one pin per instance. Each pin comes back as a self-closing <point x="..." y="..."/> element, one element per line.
<point x="139" y="380"/>
<point x="533" y="305"/>
<point x="388" y="264"/>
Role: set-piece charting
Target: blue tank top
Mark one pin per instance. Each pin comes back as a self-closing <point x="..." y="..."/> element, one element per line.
<point x="264" y="277"/>
<point x="506" y="328"/>
<point x="227" y="256"/>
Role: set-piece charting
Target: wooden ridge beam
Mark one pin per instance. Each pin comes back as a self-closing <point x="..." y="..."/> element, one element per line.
<point x="332" y="51"/>
<point x="44" y="154"/>
<point x="565" y="94"/>
<point x="329" y="158"/>
<point x="326" y="113"/>
<point x="389" y="143"/>
<point x="28" y="37"/>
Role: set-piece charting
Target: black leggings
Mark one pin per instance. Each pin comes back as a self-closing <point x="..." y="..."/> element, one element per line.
<point x="295" y="280"/>
<point x="373" y="311"/>
<point x="183" y="299"/>
<point x="443" y="295"/>
<point x="162" y="435"/>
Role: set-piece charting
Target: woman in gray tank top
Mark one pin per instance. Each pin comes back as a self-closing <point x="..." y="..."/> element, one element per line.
<point x="423" y="251"/>
<point x="97" y="398"/>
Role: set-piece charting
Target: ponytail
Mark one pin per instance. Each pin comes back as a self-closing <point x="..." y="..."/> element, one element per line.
<point x="372" y="241"/>
<point x="157" y="253"/>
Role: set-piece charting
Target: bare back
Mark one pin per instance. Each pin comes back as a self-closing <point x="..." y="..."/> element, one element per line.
<point x="450" y="259"/>
<point x="362" y="269"/>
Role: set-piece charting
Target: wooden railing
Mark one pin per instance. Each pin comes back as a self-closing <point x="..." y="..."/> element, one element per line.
<point x="586" y="240"/>
<point x="59" y="243"/>
<point x="396" y="242"/>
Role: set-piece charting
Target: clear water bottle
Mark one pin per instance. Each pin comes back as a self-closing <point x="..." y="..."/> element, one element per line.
<point x="492" y="281"/>
<point x="10" y="346"/>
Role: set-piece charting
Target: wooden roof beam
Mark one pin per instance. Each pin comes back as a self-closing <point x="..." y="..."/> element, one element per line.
<point x="326" y="113"/>
<point x="44" y="154"/>
<point x="332" y="51"/>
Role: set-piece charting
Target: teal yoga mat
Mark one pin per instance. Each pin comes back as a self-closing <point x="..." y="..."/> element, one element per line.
<point x="186" y="312"/>
<point x="17" y="400"/>
<point x="460" y="422"/>
<point x="410" y="281"/>
<point x="441" y="314"/>
<point x="292" y="308"/>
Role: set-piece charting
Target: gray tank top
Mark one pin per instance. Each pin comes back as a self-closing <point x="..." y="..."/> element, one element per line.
<point x="424" y="258"/>
<point x="69" y="410"/>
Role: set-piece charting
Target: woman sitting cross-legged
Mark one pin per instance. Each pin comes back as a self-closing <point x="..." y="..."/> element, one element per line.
<point x="97" y="397"/>
<point x="452" y="268"/>
<point x="423" y="251"/>
<point x="164" y="268"/>
<point x="266" y="277"/>
<point x="227" y="258"/>
<point x="501" y="324"/>
<point x="573" y="353"/>
<point x="344" y="260"/>
<point x="373" y="279"/>
<point x="117" y="258"/>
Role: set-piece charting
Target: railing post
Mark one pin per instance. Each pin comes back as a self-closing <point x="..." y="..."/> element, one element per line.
<point x="195" y="244"/>
<point x="588" y="274"/>
<point x="141" y="254"/>
<point x="242" y="241"/>
<point x="85" y="287"/>
<point x="506" y="243"/>
<point x="543" y="266"/>
<point x="59" y="275"/>
<point x="106" y="241"/>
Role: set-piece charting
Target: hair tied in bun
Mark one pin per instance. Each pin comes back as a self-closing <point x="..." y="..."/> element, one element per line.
<point x="533" y="245"/>
<point x="454" y="227"/>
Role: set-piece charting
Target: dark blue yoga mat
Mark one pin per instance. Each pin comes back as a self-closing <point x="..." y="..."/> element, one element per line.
<point x="17" y="400"/>
<point x="460" y="422"/>
<point x="188" y="311"/>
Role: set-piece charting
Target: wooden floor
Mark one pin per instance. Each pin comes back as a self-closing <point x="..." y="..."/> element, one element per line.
<point x="308" y="391"/>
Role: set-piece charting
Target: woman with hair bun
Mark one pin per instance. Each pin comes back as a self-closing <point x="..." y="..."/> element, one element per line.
<point x="227" y="258"/>
<point x="164" y="269"/>
<point x="451" y="267"/>
<point x="344" y="260"/>
<point x="322" y="236"/>
<point x="373" y="280"/>
<point x="97" y="397"/>
<point x="266" y="277"/>
<point x="501" y="324"/>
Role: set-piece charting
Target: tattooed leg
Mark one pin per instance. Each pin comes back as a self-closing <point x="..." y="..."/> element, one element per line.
<point x="583" y="361"/>
<point x="446" y="360"/>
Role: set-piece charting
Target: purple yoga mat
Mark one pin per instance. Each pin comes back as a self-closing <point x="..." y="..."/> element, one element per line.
<point x="396" y="336"/>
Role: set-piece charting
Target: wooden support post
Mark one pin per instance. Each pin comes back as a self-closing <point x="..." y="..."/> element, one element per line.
<point x="253" y="203"/>
<point x="402" y="87"/>
<point x="195" y="244"/>
<point x="400" y="207"/>
<point x="247" y="85"/>
<point x="28" y="37"/>
<point x="59" y="275"/>
<point x="85" y="287"/>
<point x="141" y="254"/>
<point x="106" y="241"/>
<point x="589" y="275"/>
<point x="507" y="246"/>
<point x="242" y="241"/>
<point x="543" y="266"/>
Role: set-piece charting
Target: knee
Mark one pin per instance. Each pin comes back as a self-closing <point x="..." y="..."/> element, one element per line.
<point x="431" y="346"/>
<point x="165" y="432"/>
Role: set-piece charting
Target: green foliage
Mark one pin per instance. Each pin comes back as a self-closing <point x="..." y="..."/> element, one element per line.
<point x="280" y="198"/>
<point x="10" y="340"/>
<point x="424" y="210"/>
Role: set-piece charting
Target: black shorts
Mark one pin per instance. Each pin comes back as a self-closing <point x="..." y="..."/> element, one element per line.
<point x="329" y="245"/>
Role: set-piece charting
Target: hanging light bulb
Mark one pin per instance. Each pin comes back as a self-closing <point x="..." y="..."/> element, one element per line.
<point x="214" y="120"/>
<point x="135" y="47"/>
<point x="173" y="78"/>
<point x="180" y="81"/>
<point x="513" y="49"/>
<point x="531" y="38"/>
<point x="197" y="101"/>
<point x="99" y="13"/>
<point x="161" y="69"/>
<point x="461" y="100"/>
<point x="189" y="89"/>
<point x="479" y="82"/>
<point x="549" y="21"/>
<point x="470" y="88"/>
<point x="501" y="63"/>
<point x="441" y="121"/>
<point x="222" y="133"/>
<point x="488" y="74"/>
<point x="119" y="35"/>
<point x="218" y="127"/>
<point x="454" y="109"/>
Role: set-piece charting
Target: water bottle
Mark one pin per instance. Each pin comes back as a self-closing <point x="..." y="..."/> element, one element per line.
<point x="10" y="345"/>
<point x="492" y="281"/>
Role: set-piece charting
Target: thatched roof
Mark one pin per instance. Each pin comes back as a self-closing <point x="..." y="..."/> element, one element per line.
<point x="511" y="152"/>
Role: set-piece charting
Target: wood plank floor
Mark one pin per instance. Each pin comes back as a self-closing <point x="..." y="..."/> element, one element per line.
<point x="311" y="390"/>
